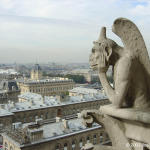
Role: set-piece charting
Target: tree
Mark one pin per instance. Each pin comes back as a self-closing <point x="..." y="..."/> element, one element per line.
<point x="77" y="78"/>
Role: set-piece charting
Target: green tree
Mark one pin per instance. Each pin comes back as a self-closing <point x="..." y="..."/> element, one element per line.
<point x="77" y="78"/>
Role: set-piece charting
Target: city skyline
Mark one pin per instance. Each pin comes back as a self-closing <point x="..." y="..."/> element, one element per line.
<point x="62" y="31"/>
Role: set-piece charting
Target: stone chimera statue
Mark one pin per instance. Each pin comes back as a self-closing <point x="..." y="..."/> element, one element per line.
<point x="130" y="63"/>
<point x="127" y="119"/>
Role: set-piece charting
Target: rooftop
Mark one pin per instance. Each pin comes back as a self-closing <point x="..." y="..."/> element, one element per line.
<point x="36" y="101"/>
<point x="50" y="80"/>
<point x="4" y="112"/>
<point x="82" y="90"/>
<point x="31" y="96"/>
<point x="8" y="71"/>
<point x="49" y="131"/>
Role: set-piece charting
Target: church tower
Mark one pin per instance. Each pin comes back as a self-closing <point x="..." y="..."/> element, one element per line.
<point x="36" y="73"/>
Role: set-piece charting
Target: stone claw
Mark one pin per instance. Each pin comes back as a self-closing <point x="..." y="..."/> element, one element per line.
<point x="87" y="116"/>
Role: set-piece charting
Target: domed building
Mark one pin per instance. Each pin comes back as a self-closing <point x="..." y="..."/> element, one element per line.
<point x="36" y="73"/>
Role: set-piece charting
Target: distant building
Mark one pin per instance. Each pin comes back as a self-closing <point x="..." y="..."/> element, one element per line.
<point x="29" y="97"/>
<point x="9" y="91"/>
<point x="95" y="85"/>
<point x="8" y="74"/>
<point x="84" y="72"/>
<point x="83" y="91"/>
<point x="32" y="106"/>
<point x="36" y="73"/>
<point x="61" y="135"/>
<point x="45" y="87"/>
<point x="89" y="74"/>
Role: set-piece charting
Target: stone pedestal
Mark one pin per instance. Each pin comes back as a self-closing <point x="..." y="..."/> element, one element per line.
<point x="128" y="128"/>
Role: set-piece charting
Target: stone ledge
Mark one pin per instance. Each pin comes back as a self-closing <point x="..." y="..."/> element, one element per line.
<point x="132" y="114"/>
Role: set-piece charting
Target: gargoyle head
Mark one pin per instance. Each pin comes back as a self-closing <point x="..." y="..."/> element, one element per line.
<point x="102" y="45"/>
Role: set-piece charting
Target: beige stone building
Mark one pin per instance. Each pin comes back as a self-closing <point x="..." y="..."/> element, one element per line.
<point x="45" y="86"/>
<point x="62" y="135"/>
<point x="36" y="72"/>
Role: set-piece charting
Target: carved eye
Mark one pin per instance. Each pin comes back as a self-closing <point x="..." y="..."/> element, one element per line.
<point x="106" y="49"/>
<point x="93" y="50"/>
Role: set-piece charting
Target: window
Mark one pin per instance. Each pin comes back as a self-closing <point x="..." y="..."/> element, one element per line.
<point x="65" y="146"/>
<point x="58" y="147"/>
<point x="94" y="139"/>
<point x="73" y="145"/>
<point x="81" y="143"/>
<point x="31" y="118"/>
<point x="25" y="120"/>
<point x="88" y="139"/>
<point x="107" y="137"/>
<point x="6" y="146"/>
<point x="46" y="116"/>
<point x="101" y="137"/>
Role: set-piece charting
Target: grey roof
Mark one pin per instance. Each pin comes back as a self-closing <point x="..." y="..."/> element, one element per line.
<point x="52" y="131"/>
<point x="4" y="112"/>
<point x="8" y="71"/>
<point x="57" y="128"/>
<point x="36" y="67"/>
<point x="82" y="90"/>
<point x="46" y="81"/>
<point x="37" y="102"/>
<point x="31" y="96"/>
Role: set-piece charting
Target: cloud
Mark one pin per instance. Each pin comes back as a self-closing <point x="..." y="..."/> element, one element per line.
<point x="61" y="30"/>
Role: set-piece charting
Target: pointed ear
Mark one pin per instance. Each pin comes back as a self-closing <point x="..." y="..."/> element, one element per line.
<point x="108" y="52"/>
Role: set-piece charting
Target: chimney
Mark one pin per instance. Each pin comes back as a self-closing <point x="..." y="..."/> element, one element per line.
<point x="92" y="94"/>
<point x="65" y="123"/>
<point x="35" y="134"/>
<point x="58" y="119"/>
<point x="81" y="96"/>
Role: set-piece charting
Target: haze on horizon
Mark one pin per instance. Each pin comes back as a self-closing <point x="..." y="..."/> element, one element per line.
<point x="62" y="30"/>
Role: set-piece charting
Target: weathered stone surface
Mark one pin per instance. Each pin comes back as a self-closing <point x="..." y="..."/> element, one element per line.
<point x="127" y="119"/>
<point x="127" y="113"/>
<point x="130" y="65"/>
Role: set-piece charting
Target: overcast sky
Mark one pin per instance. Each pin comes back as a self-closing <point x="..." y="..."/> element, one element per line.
<point x="62" y="30"/>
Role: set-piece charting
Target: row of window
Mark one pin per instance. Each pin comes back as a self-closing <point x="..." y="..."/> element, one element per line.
<point x="80" y="144"/>
<point x="48" y="89"/>
<point x="50" y="114"/>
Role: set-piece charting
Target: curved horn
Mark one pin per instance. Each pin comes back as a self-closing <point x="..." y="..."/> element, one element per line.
<point x="102" y="34"/>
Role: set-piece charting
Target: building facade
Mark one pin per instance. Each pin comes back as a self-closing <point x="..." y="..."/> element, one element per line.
<point x="27" y="112"/>
<point x="9" y="91"/>
<point x="36" y="72"/>
<point x="47" y="87"/>
<point x="62" y="135"/>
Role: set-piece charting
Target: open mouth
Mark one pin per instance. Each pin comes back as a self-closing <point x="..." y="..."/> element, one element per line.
<point x="94" y="65"/>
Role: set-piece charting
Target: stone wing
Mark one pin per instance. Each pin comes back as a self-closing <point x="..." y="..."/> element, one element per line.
<point x="133" y="42"/>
